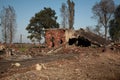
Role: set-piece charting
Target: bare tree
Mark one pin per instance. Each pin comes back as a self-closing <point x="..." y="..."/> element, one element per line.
<point x="97" y="30"/>
<point x="71" y="11"/>
<point x="12" y="23"/>
<point x="4" y="24"/>
<point x="64" y="15"/>
<point x="89" y="28"/>
<point x="103" y="13"/>
<point x="8" y="24"/>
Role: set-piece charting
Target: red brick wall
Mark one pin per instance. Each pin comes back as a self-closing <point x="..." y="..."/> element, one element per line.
<point x="54" y="37"/>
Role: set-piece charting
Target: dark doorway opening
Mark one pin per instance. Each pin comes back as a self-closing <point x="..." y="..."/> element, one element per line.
<point x="80" y="41"/>
<point x="61" y="41"/>
<point x="52" y="40"/>
<point x="83" y="42"/>
<point x="72" y="41"/>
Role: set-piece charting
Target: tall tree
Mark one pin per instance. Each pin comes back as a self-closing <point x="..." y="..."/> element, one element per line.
<point x="3" y="16"/>
<point x="114" y="26"/>
<point x="103" y="12"/>
<point x="71" y="11"/>
<point x="64" y="15"/>
<point x="42" y="20"/>
<point x="8" y="24"/>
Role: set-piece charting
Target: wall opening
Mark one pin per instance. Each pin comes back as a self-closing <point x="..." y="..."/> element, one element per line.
<point x="61" y="41"/>
<point x="52" y="40"/>
<point x="83" y="42"/>
<point x="80" y="41"/>
<point x="72" y="41"/>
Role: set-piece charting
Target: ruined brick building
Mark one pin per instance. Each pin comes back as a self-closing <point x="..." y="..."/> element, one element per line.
<point x="57" y="37"/>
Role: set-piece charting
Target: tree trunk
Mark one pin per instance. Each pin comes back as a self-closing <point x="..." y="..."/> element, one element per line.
<point x="5" y="35"/>
<point x="106" y="35"/>
<point x="11" y="33"/>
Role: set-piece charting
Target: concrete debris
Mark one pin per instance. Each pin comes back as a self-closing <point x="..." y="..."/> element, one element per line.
<point x="21" y="57"/>
<point x="2" y="47"/>
<point x="116" y="47"/>
<point x="16" y="64"/>
<point x="43" y="66"/>
<point x="49" y="52"/>
<point x="38" y="67"/>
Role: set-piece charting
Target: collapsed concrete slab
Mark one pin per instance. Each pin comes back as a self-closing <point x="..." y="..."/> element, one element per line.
<point x="92" y="37"/>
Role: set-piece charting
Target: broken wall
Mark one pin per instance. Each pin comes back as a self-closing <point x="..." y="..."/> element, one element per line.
<point x="54" y="37"/>
<point x="69" y="33"/>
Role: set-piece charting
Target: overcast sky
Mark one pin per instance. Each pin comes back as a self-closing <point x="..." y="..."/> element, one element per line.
<point x="25" y="9"/>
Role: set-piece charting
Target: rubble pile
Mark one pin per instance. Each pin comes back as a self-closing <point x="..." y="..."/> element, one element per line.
<point x="116" y="47"/>
<point x="92" y="37"/>
<point x="2" y="47"/>
<point x="65" y="67"/>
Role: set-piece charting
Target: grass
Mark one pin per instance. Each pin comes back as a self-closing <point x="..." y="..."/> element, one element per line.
<point x="23" y="49"/>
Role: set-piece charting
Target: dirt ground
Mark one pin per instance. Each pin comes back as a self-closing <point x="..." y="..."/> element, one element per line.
<point x="66" y="64"/>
